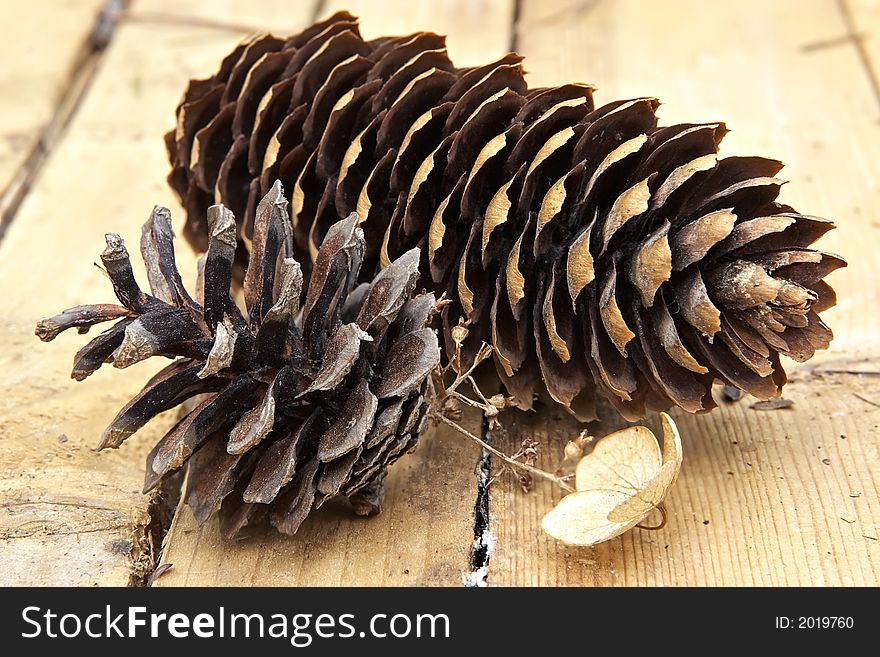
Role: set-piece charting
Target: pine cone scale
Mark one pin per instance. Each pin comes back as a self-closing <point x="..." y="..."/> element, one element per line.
<point x="172" y="386"/>
<point x="278" y="462"/>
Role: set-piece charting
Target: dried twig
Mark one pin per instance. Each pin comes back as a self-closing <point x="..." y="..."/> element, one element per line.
<point x="560" y="481"/>
<point x="490" y="406"/>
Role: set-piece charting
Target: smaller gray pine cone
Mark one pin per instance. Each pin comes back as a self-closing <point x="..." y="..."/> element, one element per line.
<point x="298" y="400"/>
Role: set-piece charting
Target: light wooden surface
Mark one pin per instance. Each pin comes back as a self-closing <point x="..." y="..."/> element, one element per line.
<point x="422" y="537"/>
<point x="776" y="497"/>
<point x="42" y="51"/>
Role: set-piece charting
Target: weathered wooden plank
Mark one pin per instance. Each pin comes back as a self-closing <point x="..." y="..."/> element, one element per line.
<point x="777" y="511"/>
<point x="425" y="532"/>
<point x="235" y="16"/>
<point x="58" y="526"/>
<point x="41" y="49"/>
<point x="67" y="514"/>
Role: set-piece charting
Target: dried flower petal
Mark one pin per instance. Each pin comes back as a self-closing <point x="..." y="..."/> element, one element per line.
<point x="618" y="484"/>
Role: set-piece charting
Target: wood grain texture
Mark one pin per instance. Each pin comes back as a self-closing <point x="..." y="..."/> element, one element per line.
<point x="234" y="16"/>
<point x="768" y="498"/>
<point x="39" y="49"/>
<point x="425" y="533"/>
<point x="67" y="514"/>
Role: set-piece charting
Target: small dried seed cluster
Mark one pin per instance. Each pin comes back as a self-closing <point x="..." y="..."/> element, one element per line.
<point x="596" y="251"/>
<point x="297" y="403"/>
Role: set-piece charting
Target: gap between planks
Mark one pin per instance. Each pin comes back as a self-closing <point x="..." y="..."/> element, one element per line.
<point x="858" y="41"/>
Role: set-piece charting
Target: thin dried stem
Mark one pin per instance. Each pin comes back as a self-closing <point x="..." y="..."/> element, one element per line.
<point x="662" y="509"/>
<point x="461" y="377"/>
<point x="477" y="390"/>
<point x="465" y="400"/>
<point x="489" y="407"/>
<point x="501" y="455"/>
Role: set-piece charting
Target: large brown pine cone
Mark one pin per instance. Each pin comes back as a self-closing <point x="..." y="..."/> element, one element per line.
<point x="593" y="249"/>
<point x="299" y="403"/>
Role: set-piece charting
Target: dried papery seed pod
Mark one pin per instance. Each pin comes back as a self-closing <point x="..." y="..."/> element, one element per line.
<point x="298" y="400"/>
<point x="597" y="252"/>
<point x="617" y="485"/>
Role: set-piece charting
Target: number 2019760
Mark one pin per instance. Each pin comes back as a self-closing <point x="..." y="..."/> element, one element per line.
<point x="814" y="622"/>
